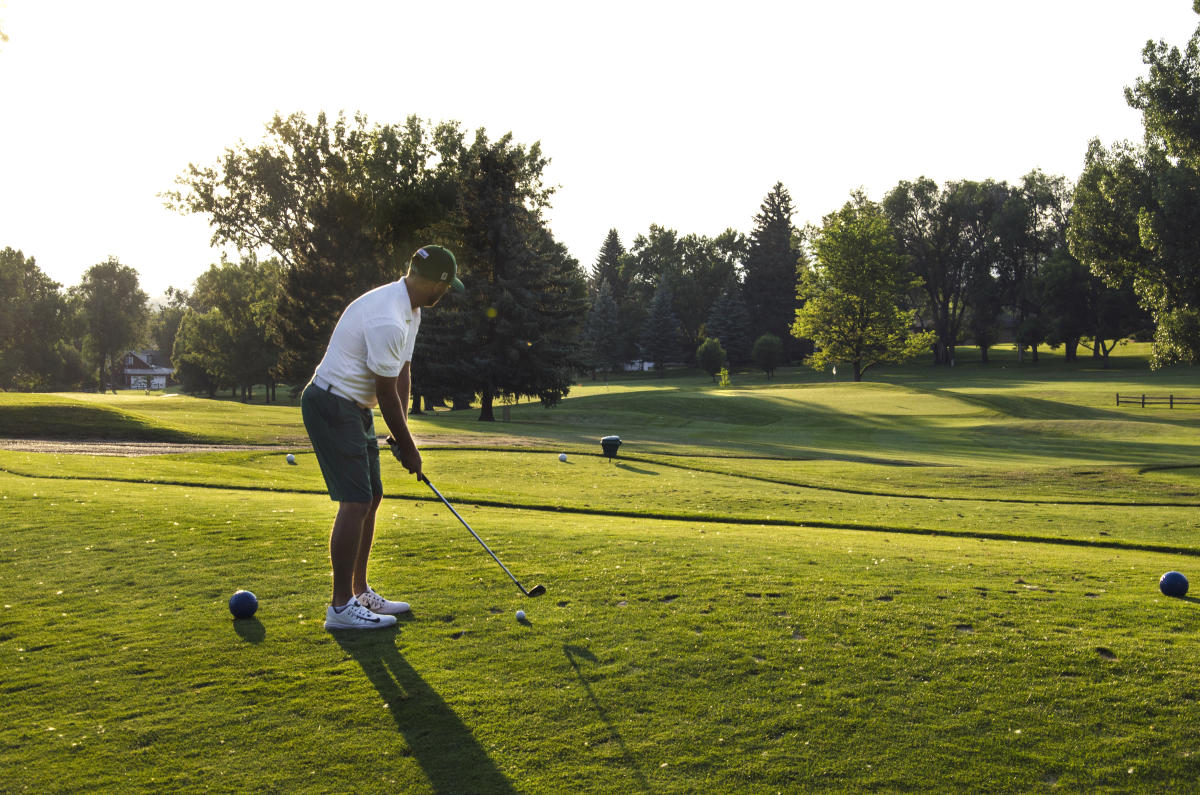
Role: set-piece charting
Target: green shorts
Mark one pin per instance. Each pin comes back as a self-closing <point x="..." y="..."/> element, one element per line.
<point x="343" y="437"/>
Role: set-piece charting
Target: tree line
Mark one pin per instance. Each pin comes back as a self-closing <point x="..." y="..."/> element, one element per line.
<point x="325" y="209"/>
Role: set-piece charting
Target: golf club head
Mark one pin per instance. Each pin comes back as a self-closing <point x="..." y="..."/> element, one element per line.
<point x="536" y="590"/>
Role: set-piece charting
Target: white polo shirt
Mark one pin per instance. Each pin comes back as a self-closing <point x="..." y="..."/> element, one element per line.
<point x="373" y="337"/>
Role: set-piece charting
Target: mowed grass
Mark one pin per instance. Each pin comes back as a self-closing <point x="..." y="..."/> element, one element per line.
<point x="786" y="587"/>
<point x="134" y="415"/>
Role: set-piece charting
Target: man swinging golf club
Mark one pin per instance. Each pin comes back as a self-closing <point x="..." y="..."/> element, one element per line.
<point x="368" y="364"/>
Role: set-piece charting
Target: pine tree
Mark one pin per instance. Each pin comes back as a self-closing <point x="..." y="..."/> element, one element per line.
<point x="608" y="266"/>
<point x="604" y="337"/>
<point x="729" y="321"/>
<point x="660" y="332"/>
<point x="614" y="267"/>
<point x="515" y="332"/>
<point x="771" y="267"/>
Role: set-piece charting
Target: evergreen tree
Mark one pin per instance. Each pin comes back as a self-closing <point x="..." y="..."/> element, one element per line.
<point x="603" y="333"/>
<point x="612" y="267"/>
<point x="729" y="321"/>
<point x="515" y="332"/>
<point x="772" y="260"/>
<point x="654" y="260"/>
<point x="608" y="266"/>
<point x="660" y="332"/>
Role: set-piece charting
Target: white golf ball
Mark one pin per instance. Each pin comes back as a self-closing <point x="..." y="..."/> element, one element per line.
<point x="562" y="456"/>
<point x="520" y="615"/>
<point x="291" y="459"/>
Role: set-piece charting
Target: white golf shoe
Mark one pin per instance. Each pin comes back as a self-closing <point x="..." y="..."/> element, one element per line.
<point x="377" y="604"/>
<point x="355" y="616"/>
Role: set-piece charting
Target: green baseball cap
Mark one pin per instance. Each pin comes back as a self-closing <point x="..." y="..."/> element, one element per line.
<point x="437" y="263"/>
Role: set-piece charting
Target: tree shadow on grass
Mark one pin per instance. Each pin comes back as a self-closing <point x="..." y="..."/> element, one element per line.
<point x="574" y="654"/>
<point x="437" y="738"/>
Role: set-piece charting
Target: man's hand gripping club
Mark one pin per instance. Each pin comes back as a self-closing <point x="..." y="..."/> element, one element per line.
<point x="408" y="455"/>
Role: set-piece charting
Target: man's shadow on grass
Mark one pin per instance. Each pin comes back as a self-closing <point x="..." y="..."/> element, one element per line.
<point x="438" y="740"/>
<point x="574" y="655"/>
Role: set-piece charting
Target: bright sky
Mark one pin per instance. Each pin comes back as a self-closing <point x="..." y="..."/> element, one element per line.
<point x="682" y="114"/>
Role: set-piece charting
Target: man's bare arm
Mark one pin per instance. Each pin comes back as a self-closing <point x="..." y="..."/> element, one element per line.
<point x="393" y="405"/>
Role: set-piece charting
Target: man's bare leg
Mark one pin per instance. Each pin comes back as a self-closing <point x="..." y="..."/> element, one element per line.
<point x="344" y="542"/>
<point x="365" y="539"/>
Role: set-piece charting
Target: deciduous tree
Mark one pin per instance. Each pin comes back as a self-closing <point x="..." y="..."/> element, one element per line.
<point x="853" y="291"/>
<point x="114" y="312"/>
<point x="711" y="357"/>
<point x="341" y="204"/>
<point x="233" y="338"/>
<point x="32" y="316"/>
<point x="164" y="324"/>
<point x="1137" y="207"/>
<point x="768" y="354"/>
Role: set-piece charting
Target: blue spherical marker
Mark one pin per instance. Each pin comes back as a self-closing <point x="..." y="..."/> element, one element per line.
<point x="243" y="604"/>
<point x="1173" y="584"/>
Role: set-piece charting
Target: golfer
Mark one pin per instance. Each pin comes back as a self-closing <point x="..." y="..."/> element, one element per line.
<point x="368" y="364"/>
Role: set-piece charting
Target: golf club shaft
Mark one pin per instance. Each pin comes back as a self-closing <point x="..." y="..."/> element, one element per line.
<point x="472" y="532"/>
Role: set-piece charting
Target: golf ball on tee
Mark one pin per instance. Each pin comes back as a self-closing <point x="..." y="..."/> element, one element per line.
<point x="291" y="459"/>
<point x="520" y="615"/>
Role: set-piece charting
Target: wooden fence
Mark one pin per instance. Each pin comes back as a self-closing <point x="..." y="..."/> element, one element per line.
<point x="1170" y="401"/>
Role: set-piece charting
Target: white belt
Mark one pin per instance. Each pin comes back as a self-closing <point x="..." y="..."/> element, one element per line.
<point x="321" y="383"/>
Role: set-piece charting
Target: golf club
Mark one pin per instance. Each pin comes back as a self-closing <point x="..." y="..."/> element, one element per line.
<point x="536" y="590"/>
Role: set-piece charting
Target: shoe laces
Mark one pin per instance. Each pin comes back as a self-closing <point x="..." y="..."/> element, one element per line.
<point x="358" y="611"/>
<point x="370" y="600"/>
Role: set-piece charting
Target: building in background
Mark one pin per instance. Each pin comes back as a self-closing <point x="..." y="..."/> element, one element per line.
<point x="140" y="370"/>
